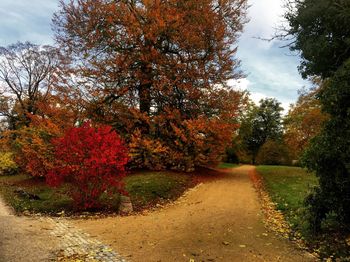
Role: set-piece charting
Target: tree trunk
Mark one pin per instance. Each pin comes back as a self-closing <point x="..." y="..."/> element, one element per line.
<point x="145" y="97"/>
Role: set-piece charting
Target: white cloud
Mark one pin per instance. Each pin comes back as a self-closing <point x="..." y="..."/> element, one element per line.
<point x="271" y="71"/>
<point x="265" y="16"/>
<point x="23" y="20"/>
<point x="256" y="97"/>
<point x="239" y="84"/>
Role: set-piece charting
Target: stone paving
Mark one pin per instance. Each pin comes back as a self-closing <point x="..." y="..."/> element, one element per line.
<point x="74" y="242"/>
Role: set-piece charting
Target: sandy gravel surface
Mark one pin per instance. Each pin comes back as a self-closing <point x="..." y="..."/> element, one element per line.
<point x="24" y="239"/>
<point x="216" y="221"/>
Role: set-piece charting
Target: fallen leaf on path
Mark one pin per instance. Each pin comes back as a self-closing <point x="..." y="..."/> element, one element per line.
<point x="225" y="243"/>
<point x="348" y="241"/>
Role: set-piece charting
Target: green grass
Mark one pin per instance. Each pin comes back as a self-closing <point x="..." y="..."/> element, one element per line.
<point x="288" y="187"/>
<point x="151" y="187"/>
<point x="145" y="189"/>
<point x="51" y="200"/>
<point x="227" y="165"/>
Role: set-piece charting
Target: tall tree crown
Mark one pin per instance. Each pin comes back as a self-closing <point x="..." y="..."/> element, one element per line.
<point x="153" y="54"/>
<point x="321" y="32"/>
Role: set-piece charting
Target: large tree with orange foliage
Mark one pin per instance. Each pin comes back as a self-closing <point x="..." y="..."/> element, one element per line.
<point x="157" y="71"/>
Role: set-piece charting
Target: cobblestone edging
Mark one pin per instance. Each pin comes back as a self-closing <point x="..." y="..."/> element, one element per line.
<point x="74" y="242"/>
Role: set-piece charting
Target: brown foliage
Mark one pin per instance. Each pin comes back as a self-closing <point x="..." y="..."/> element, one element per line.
<point x="157" y="71"/>
<point x="32" y="143"/>
<point x="273" y="153"/>
<point x="304" y="121"/>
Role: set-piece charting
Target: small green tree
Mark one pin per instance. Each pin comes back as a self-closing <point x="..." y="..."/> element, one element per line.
<point x="260" y="124"/>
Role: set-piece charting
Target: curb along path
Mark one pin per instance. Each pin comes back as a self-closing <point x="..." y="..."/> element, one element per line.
<point x="74" y="242"/>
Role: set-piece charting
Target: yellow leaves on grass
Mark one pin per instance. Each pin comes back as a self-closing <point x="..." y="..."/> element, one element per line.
<point x="273" y="218"/>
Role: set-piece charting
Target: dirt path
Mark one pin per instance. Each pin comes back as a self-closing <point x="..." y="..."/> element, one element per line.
<point x="36" y="239"/>
<point x="215" y="221"/>
<point x="25" y="239"/>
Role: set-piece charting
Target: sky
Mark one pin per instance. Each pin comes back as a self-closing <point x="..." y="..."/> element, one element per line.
<point x="270" y="70"/>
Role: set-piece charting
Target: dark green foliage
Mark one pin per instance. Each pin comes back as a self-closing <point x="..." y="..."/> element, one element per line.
<point x="322" y="35"/>
<point x="231" y="156"/>
<point x="329" y="154"/>
<point x="321" y="30"/>
<point x="262" y="123"/>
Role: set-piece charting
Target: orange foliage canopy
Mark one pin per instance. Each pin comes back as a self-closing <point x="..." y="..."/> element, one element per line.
<point x="32" y="143"/>
<point x="304" y="121"/>
<point x="157" y="71"/>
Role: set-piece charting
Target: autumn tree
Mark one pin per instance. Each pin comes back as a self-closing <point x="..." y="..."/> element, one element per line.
<point x="320" y="31"/>
<point x="303" y="122"/>
<point x="27" y="74"/>
<point x="157" y="71"/>
<point x="31" y="144"/>
<point x="261" y="123"/>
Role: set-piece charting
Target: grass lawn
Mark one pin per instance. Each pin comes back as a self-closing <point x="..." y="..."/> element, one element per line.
<point x="145" y="189"/>
<point x="288" y="187"/>
<point x="227" y="165"/>
<point x="149" y="188"/>
<point x="50" y="200"/>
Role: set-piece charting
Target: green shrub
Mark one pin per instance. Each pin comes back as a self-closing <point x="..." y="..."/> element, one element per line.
<point x="7" y="164"/>
<point x="273" y="153"/>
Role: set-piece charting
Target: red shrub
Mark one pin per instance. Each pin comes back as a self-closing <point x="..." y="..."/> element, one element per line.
<point x="92" y="159"/>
